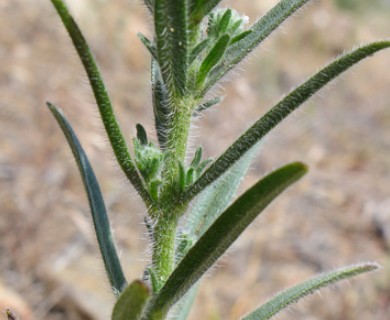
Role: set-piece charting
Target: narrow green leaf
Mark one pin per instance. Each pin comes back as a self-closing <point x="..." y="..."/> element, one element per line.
<point x="171" y="37"/>
<point x="215" y="198"/>
<point x="148" y="44"/>
<point x="260" y="31"/>
<point x="213" y="58"/>
<point x="161" y="107"/>
<point x="111" y="125"/>
<point x="207" y="104"/>
<point x="156" y="283"/>
<point x="241" y="36"/>
<point x="198" y="50"/>
<point x="273" y="117"/>
<point x="235" y="26"/>
<point x="154" y="189"/>
<point x="201" y="166"/>
<point x="184" y="243"/>
<point x="225" y="20"/>
<point x="182" y="177"/>
<point x="138" y="154"/>
<point x="190" y="177"/>
<point x="292" y="295"/>
<point x="222" y="233"/>
<point x="141" y="134"/>
<point x="200" y="9"/>
<point x="154" y="167"/>
<point x="182" y="308"/>
<point x="197" y="157"/>
<point x="96" y="203"/>
<point x="131" y="302"/>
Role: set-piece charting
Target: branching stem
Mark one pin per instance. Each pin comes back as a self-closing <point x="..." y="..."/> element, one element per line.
<point x="103" y="101"/>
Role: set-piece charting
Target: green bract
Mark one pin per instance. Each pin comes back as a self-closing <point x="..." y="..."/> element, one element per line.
<point x="194" y="45"/>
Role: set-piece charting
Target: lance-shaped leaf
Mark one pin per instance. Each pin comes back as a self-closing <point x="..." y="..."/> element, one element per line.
<point x="197" y="157"/>
<point x="182" y="309"/>
<point x="224" y="22"/>
<point x="200" y="9"/>
<point x="131" y="302"/>
<point x="142" y="135"/>
<point x="240" y="36"/>
<point x="213" y="58"/>
<point x="111" y="125"/>
<point x="221" y="234"/>
<point x="96" y="203"/>
<point x="148" y="44"/>
<point x="198" y="50"/>
<point x="273" y="117"/>
<point x="215" y="198"/>
<point x="204" y="106"/>
<point x="292" y="295"/>
<point x="207" y="207"/>
<point x="171" y="37"/>
<point x="161" y="107"/>
<point x="259" y="31"/>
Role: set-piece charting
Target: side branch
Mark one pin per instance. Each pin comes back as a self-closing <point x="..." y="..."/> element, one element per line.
<point x="280" y="111"/>
<point x="111" y="125"/>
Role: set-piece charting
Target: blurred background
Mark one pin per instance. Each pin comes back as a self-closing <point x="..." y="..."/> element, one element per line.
<point x="338" y="214"/>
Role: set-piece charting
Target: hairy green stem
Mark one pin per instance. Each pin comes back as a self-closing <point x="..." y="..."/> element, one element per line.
<point x="177" y="138"/>
<point x="164" y="246"/>
<point x="167" y="217"/>
<point x="181" y="120"/>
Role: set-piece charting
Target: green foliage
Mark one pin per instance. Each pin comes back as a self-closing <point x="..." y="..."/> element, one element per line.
<point x="221" y="234"/>
<point x="103" y="101"/>
<point x="196" y="167"/>
<point x="215" y="198"/>
<point x="260" y="30"/>
<point x="289" y="296"/>
<point x="279" y="112"/>
<point x="96" y="203"/>
<point x="171" y="36"/>
<point x="194" y="45"/>
<point x="149" y="160"/>
<point x="131" y="302"/>
<point x="213" y="58"/>
<point x="200" y="9"/>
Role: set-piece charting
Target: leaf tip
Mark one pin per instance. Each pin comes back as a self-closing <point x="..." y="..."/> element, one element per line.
<point x="368" y="266"/>
<point x="142" y="284"/>
<point x="54" y="109"/>
<point x="49" y="105"/>
<point x="300" y="168"/>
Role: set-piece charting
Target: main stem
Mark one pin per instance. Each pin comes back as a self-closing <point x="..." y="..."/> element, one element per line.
<point x="164" y="246"/>
<point x="167" y="215"/>
<point x="177" y="135"/>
